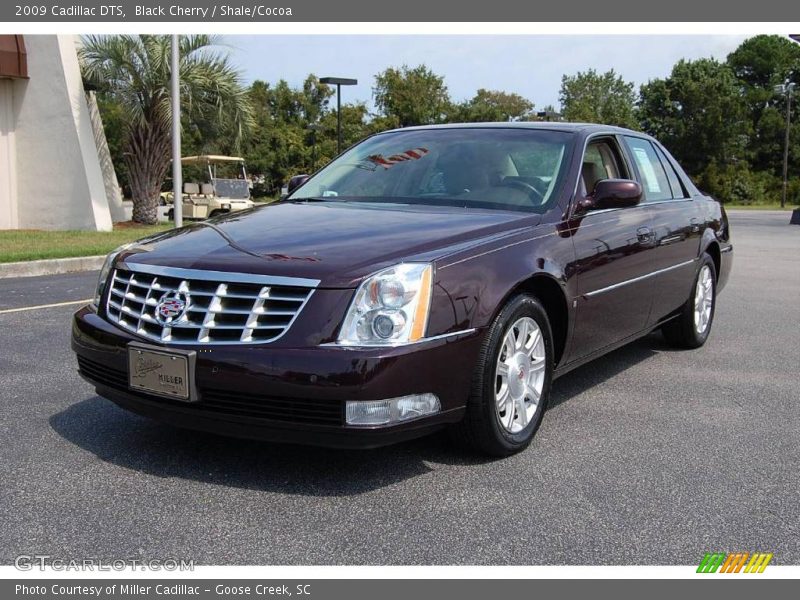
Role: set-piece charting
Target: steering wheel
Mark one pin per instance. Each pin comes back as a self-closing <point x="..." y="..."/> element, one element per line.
<point x="533" y="193"/>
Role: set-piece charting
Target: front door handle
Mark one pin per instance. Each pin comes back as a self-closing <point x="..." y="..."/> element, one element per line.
<point x="644" y="234"/>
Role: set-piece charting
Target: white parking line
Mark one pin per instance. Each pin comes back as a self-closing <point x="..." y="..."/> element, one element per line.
<point x="25" y="308"/>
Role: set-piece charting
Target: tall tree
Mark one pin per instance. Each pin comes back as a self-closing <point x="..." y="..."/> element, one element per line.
<point x="492" y="105"/>
<point x="760" y="63"/>
<point x="135" y="71"/>
<point x="408" y="96"/>
<point x="592" y="97"/>
<point x="765" y="60"/>
<point x="295" y="130"/>
<point x="698" y="112"/>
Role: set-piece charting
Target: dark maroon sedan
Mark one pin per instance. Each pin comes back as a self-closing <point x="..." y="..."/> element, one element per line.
<point x="429" y="277"/>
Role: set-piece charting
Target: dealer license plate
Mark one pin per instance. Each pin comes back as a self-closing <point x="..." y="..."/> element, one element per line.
<point x="160" y="372"/>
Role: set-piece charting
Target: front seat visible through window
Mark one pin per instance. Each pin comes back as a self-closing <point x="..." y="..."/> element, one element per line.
<point x="600" y="162"/>
<point x="591" y="173"/>
<point x="462" y="172"/>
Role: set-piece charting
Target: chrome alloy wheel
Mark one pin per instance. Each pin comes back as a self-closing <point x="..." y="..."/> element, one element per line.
<point x="703" y="299"/>
<point x="519" y="375"/>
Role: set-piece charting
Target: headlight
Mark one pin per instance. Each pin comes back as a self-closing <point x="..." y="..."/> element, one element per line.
<point x="390" y="308"/>
<point x="104" y="271"/>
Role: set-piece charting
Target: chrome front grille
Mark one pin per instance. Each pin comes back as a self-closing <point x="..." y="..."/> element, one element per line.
<point x="210" y="307"/>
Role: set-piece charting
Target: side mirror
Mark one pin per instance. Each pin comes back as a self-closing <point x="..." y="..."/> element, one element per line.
<point x="612" y="193"/>
<point x="295" y="182"/>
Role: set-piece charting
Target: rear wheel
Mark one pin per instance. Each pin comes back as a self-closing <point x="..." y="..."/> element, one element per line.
<point x="691" y="327"/>
<point x="511" y="383"/>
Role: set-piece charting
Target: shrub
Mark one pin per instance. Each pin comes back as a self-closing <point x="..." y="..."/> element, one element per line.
<point x="736" y="184"/>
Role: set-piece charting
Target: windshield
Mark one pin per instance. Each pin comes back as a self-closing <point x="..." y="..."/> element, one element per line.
<point x="231" y="188"/>
<point x="493" y="168"/>
<point x="228" y="179"/>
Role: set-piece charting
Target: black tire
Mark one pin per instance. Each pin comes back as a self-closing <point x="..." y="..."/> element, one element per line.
<point x="681" y="331"/>
<point x="171" y="214"/>
<point x="481" y="429"/>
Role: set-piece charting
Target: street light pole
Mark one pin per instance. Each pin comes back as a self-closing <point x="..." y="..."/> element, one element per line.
<point x="338" y="82"/>
<point x="177" y="175"/>
<point x="338" y="119"/>
<point x="314" y="128"/>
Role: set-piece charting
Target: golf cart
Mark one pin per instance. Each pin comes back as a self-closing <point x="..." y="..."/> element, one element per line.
<point x="213" y="185"/>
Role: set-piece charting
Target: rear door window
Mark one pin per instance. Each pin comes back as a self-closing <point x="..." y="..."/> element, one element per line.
<point x="678" y="191"/>
<point x="654" y="177"/>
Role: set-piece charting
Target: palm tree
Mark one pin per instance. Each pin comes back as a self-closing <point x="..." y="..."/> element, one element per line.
<point x="135" y="71"/>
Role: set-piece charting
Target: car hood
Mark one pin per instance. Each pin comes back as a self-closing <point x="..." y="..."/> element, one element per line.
<point x="338" y="243"/>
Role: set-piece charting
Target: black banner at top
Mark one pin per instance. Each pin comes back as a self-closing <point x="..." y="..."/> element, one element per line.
<point x="609" y="11"/>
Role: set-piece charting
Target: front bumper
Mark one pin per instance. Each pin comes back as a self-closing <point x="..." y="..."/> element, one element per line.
<point x="283" y="394"/>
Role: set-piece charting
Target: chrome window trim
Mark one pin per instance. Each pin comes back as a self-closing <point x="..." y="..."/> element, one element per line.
<point x="221" y="276"/>
<point x="669" y="201"/>
<point x="640" y="205"/>
<point x="636" y="279"/>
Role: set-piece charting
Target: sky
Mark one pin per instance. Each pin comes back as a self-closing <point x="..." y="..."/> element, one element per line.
<point x="531" y="66"/>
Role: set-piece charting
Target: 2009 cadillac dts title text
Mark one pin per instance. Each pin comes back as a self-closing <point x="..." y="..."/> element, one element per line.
<point x="428" y="278"/>
<point x="152" y="12"/>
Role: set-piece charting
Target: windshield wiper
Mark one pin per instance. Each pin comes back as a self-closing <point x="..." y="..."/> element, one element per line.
<point x="317" y="199"/>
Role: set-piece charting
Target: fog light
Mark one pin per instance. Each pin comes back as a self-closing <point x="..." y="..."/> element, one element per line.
<point x="394" y="410"/>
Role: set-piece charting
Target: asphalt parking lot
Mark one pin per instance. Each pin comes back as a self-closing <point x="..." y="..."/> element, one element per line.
<point x="646" y="456"/>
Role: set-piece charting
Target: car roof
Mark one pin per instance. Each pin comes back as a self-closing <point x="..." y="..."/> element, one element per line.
<point x="587" y="128"/>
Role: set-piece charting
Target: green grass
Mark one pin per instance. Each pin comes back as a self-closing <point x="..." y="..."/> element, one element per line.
<point x="22" y="245"/>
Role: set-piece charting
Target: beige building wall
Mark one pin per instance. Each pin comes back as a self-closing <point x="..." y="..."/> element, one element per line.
<point x="8" y="168"/>
<point x="58" y="178"/>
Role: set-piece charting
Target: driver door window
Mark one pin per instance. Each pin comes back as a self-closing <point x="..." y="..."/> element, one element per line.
<point x="600" y="161"/>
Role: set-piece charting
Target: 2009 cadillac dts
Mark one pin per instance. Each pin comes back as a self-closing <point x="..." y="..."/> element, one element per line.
<point x="428" y="277"/>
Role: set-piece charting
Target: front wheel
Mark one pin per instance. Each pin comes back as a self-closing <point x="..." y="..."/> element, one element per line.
<point x="691" y="327"/>
<point x="511" y="383"/>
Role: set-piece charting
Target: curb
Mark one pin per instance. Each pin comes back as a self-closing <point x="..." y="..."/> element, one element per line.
<point x="54" y="266"/>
